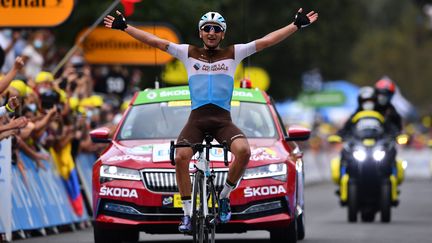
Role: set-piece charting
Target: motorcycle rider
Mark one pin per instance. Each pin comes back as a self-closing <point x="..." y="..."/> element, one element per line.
<point x="385" y="90"/>
<point x="375" y="99"/>
<point x="367" y="100"/>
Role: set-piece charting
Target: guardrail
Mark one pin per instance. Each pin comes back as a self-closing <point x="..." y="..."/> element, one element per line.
<point x="39" y="199"/>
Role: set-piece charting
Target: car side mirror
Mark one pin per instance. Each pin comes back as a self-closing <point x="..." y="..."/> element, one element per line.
<point x="100" y="135"/>
<point x="297" y="133"/>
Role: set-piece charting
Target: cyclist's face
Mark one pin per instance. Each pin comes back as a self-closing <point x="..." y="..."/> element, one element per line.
<point x="211" y="37"/>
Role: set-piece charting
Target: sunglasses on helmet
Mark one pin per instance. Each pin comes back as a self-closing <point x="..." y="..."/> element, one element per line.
<point x="208" y="28"/>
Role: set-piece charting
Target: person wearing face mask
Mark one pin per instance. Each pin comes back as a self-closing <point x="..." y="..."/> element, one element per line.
<point x="367" y="101"/>
<point x="385" y="89"/>
<point x="32" y="55"/>
<point x="372" y="105"/>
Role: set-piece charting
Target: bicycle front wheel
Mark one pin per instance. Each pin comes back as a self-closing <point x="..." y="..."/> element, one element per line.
<point x="198" y="217"/>
<point x="211" y="218"/>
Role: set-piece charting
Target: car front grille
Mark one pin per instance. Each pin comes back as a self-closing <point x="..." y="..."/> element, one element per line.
<point x="164" y="180"/>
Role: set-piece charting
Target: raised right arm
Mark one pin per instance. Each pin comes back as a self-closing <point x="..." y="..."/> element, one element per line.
<point x="7" y="79"/>
<point x="119" y="22"/>
<point x="147" y="38"/>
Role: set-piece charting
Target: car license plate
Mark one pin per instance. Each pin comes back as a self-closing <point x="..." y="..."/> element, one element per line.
<point x="178" y="204"/>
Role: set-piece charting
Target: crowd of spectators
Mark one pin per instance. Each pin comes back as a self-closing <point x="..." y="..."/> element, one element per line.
<point x="46" y="114"/>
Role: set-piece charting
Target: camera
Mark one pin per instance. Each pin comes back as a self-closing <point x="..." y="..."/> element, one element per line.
<point x="79" y="69"/>
<point x="49" y="98"/>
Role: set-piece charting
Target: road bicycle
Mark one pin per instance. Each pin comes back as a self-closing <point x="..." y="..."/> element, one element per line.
<point x="204" y="196"/>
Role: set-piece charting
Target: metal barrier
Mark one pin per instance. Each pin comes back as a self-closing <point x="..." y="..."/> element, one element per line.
<point x="40" y="200"/>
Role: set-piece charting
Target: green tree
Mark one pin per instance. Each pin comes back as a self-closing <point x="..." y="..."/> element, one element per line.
<point x="352" y="40"/>
<point x="396" y="46"/>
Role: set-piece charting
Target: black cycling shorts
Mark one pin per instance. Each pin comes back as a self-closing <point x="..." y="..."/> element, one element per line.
<point x="209" y="119"/>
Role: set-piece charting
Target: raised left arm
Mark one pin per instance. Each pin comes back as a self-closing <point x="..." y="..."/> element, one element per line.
<point x="301" y="20"/>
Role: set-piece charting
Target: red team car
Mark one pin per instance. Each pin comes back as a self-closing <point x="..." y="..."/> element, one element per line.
<point x="134" y="185"/>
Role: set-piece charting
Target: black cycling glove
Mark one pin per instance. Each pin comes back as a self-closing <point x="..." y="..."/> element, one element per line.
<point x="301" y="20"/>
<point x="119" y="23"/>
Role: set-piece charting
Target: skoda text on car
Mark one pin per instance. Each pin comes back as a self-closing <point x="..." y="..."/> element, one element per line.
<point x="134" y="185"/>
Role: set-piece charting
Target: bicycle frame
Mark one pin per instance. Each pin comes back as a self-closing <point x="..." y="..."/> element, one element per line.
<point x="203" y="223"/>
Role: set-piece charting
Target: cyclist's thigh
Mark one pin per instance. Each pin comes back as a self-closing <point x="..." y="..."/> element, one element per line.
<point x="228" y="132"/>
<point x="191" y="133"/>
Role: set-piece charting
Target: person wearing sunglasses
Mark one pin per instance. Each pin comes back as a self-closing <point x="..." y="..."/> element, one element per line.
<point x="211" y="71"/>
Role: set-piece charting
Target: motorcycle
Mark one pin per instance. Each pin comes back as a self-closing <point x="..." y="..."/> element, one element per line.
<point x="367" y="172"/>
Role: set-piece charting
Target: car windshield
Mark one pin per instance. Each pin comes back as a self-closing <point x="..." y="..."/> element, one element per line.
<point x="166" y="119"/>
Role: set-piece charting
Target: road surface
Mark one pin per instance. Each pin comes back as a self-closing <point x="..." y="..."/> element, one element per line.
<point x="326" y="222"/>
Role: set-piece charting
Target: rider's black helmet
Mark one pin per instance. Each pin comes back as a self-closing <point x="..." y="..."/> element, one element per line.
<point x="366" y="94"/>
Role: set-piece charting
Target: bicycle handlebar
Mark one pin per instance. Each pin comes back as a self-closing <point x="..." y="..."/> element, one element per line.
<point x="199" y="147"/>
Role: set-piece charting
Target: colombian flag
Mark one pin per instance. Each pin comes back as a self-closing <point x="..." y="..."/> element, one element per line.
<point x="66" y="167"/>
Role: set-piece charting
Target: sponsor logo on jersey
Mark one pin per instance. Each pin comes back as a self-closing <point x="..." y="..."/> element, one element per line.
<point x="118" y="192"/>
<point x="215" y="67"/>
<point x="263" y="191"/>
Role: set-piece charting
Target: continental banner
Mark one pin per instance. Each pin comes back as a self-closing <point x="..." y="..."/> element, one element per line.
<point x="34" y="13"/>
<point x="107" y="46"/>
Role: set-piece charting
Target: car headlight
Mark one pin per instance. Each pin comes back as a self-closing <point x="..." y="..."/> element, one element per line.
<point x="359" y="154"/>
<point x="379" y="154"/>
<point x="114" y="172"/>
<point x="278" y="171"/>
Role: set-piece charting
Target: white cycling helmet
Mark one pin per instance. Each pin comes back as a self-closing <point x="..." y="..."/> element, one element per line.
<point x="212" y="17"/>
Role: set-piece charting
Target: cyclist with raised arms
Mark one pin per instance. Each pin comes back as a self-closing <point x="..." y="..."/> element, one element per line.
<point x="210" y="71"/>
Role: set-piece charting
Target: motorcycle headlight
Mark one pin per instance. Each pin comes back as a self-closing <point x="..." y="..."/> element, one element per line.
<point x="379" y="154"/>
<point x="114" y="172"/>
<point x="359" y="154"/>
<point x="277" y="171"/>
